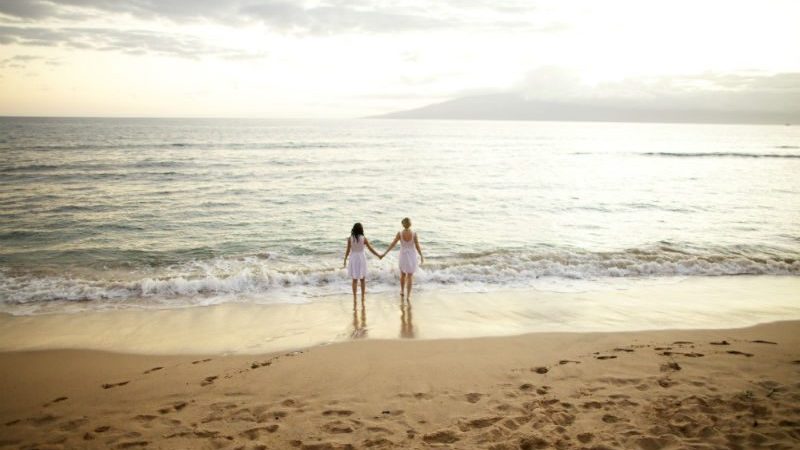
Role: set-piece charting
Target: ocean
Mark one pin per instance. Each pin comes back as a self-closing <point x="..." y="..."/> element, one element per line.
<point x="99" y="214"/>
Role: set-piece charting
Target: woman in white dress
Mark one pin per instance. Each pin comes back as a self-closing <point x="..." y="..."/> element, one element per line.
<point x="409" y="248"/>
<point x="357" y="269"/>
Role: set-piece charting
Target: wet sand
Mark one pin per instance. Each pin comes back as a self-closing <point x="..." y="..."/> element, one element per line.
<point x="733" y="388"/>
<point x="253" y="328"/>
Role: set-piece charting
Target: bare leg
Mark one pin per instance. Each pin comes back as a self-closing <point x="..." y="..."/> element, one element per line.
<point x="409" y="281"/>
<point x="363" y="288"/>
<point x="355" y="284"/>
<point x="402" y="282"/>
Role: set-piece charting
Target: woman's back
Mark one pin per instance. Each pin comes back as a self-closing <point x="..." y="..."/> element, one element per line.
<point x="407" y="240"/>
<point x="357" y="244"/>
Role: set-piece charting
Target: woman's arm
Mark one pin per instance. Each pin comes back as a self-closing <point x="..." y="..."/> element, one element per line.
<point x="419" y="250"/>
<point x="366" y="242"/>
<point x="391" y="246"/>
<point x="346" y="253"/>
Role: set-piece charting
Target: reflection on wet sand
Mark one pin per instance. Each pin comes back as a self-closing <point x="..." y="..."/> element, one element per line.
<point x="359" y="323"/>
<point x="406" y="325"/>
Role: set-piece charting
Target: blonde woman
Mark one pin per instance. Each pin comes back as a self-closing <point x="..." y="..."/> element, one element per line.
<point x="409" y="249"/>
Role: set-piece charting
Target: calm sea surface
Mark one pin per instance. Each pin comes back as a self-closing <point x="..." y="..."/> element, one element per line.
<point x="118" y="213"/>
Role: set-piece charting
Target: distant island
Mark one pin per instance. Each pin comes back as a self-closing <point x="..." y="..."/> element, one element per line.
<point x="515" y="106"/>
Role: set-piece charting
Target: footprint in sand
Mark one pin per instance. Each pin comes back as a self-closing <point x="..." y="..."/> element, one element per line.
<point x="720" y="343"/>
<point x="476" y="424"/>
<point x="337" y="412"/>
<point x="42" y="420"/>
<point x="608" y="418"/>
<point x="567" y="361"/>
<point x="682" y="343"/>
<point x="534" y="442"/>
<point x="59" y="399"/>
<point x="208" y="380"/>
<point x="338" y="427"/>
<point x="176" y="407"/>
<point x="133" y="444"/>
<point x="666" y="382"/>
<point x="626" y="350"/>
<point x="144" y="418"/>
<point x="201" y="361"/>
<point x="474" y="397"/>
<point x="736" y="352"/>
<point x="380" y="443"/>
<point x="669" y="367"/>
<point x="441" y="437"/>
<point x="254" y="433"/>
<point x="759" y="341"/>
<point x="592" y="405"/>
<point x="540" y="370"/>
<point x="261" y="416"/>
<point x="152" y="370"/>
<point x="604" y="357"/>
<point x="73" y="425"/>
<point x="256" y="364"/>
<point x="113" y="385"/>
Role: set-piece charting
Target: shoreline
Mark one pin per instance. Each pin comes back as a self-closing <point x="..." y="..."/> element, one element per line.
<point x="731" y="388"/>
<point x="244" y="328"/>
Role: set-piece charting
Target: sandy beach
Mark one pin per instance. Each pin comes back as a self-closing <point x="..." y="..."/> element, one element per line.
<point x="735" y="388"/>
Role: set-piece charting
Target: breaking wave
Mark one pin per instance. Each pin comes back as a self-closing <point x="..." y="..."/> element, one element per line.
<point x="223" y="279"/>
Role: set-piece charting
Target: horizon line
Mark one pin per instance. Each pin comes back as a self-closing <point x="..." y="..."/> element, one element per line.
<point x="379" y="117"/>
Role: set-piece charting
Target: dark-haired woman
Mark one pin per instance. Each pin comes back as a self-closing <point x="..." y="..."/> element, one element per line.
<point x="357" y="269"/>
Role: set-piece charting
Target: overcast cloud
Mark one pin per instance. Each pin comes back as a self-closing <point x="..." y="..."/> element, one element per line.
<point x="372" y="56"/>
<point x="293" y="15"/>
<point x="132" y="42"/>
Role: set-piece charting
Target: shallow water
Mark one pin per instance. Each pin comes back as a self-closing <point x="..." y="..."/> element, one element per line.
<point x="163" y="213"/>
<point x="695" y="303"/>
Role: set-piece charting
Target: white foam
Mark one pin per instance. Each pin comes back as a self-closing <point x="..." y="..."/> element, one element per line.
<point x="222" y="280"/>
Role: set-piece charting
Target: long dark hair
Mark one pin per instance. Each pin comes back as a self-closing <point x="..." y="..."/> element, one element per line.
<point x="357" y="231"/>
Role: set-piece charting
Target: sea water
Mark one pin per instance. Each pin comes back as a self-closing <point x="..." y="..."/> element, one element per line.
<point x="100" y="214"/>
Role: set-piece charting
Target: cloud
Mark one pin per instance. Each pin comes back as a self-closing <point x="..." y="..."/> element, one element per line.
<point x="295" y="16"/>
<point x="133" y="42"/>
<point x="28" y="9"/>
<point x="291" y="17"/>
<point x="18" y="61"/>
<point x="72" y="24"/>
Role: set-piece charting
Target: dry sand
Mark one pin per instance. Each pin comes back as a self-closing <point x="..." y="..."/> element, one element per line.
<point x="650" y="390"/>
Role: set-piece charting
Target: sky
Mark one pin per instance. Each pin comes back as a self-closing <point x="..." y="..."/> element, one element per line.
<point x="340" y="59"/>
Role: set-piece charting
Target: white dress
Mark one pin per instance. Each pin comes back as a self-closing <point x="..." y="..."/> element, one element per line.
<point x="357" y="266"/>
<point x="408" y="254"/>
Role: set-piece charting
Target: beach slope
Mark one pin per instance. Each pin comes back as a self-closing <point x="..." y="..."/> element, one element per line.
<point x="657" y="389"/>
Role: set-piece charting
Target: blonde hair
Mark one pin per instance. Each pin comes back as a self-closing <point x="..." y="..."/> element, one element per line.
<point x="406" y="222"/>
